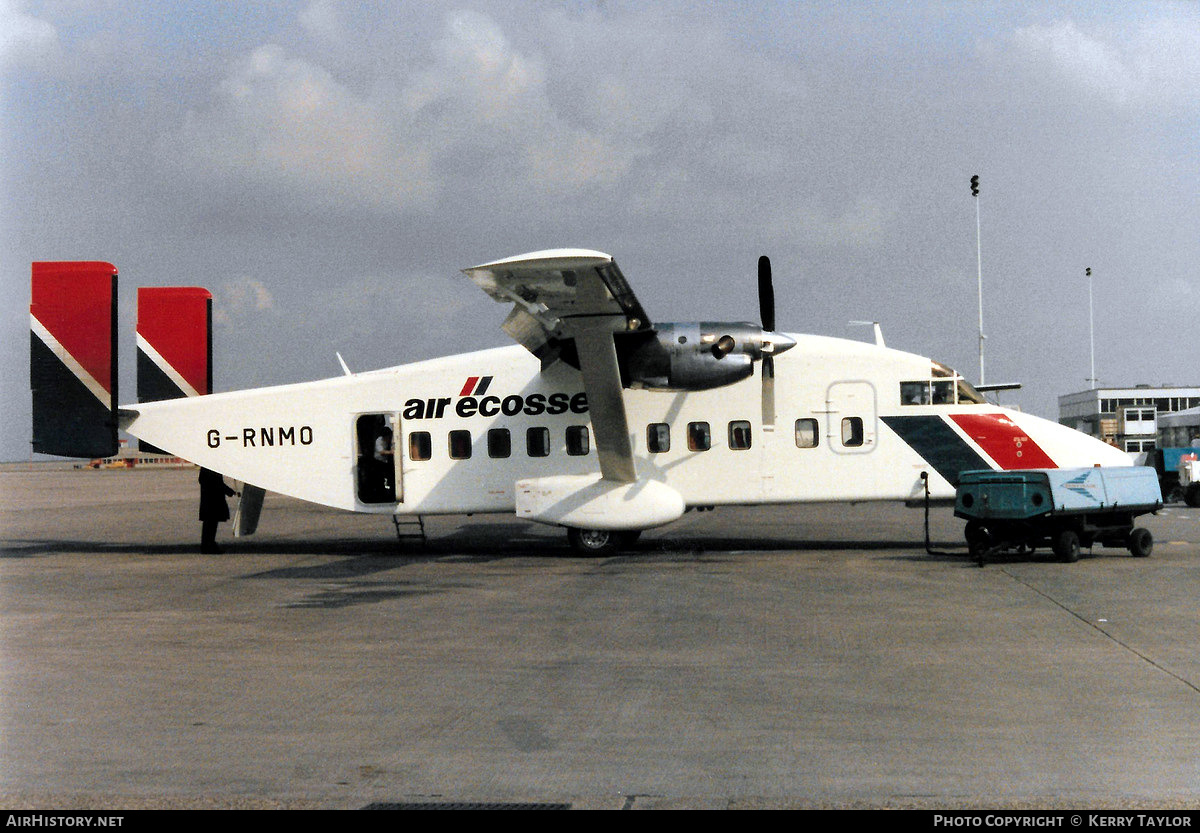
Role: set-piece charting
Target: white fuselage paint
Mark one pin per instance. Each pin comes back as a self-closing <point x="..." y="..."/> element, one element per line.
<point x="300" y="439"/>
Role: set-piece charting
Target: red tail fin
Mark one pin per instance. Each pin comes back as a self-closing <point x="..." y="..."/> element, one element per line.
<point x="174" y="339"/>
<point x="73" y="358"/>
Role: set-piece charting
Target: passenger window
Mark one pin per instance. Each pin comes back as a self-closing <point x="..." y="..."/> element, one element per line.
<point x="698" y="436"/>
<point x="852" y="432"/>
<point x="499" y="442"/>
<point x="658" y="437"/>
<point x="460" y="445"/>
<point x="739" y="435"/>
<point x="420" y="445"/>
<point x="807" y="435"/>
<point x="577" y="440"/>
<point x="537" y="442"/>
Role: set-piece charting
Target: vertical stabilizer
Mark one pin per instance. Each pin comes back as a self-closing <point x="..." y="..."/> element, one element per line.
<point x="73" y="358"/>
<point x="174" y="341"/>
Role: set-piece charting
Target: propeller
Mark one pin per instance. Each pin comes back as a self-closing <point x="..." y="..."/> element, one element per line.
<point x="766" y="295"/>
<point x="766" y="312"/>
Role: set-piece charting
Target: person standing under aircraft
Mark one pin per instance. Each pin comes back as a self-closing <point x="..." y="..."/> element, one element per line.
<point x="213" y="509"/>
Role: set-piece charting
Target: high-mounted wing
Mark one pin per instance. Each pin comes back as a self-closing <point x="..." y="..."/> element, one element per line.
<point x="544" y="290"/>
<point x="575" y="295"/>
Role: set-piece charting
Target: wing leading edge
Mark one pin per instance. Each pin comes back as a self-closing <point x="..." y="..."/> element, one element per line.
<point x="575" y="295"/>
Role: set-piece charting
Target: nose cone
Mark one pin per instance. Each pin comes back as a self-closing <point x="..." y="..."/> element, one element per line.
<point x="776" y="343"/>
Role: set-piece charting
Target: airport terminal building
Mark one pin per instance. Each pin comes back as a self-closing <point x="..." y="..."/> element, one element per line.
<point x="1138" y="418"/>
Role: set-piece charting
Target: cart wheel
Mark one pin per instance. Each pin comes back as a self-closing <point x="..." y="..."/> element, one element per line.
<point x="1066" y="545"/>
<point x="1141" y="542"/>
<point x="979" y="540"/>
<point x="1192" y="496"/>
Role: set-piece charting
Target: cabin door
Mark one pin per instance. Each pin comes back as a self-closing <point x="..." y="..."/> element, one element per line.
<point x="378" y="479"/>
<point x="852" y="411"/>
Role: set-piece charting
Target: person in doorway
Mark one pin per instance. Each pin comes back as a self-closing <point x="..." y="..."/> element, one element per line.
<point x="213" y="509"/>
<point x="383" y="463"/>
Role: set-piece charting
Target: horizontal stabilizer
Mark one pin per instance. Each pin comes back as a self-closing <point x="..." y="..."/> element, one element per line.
<point x="73" y="358"/>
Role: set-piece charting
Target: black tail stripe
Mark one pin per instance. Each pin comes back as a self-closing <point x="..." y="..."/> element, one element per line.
<point x="68" y="419"/>
<point x="153" y="385"/>
<point x="937" y="443"/>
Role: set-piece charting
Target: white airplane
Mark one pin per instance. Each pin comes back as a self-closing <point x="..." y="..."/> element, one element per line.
<point x="607" y="424"/>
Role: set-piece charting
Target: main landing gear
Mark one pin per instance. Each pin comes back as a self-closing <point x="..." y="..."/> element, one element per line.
<point x="596" y="542"/>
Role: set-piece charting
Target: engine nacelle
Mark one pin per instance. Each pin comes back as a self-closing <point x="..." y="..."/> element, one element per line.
<point x="686" y="357"/>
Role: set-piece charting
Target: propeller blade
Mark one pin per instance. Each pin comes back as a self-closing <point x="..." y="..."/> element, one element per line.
<point x="766" y="294"/>
<point x="766" y="312"/>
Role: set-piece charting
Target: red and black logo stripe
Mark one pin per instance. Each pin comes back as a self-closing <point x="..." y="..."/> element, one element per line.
<point x="476" y="386"/>
<point x="936" y="440"/>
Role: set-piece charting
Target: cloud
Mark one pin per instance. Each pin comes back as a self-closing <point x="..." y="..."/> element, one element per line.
<point x="239" y="298"/>
<point x="1159" y="62"/>
<point x="320" y="19"/>
<point x="480" y="88"/>
<point x="866" y="222"/>
<point x="25" y="39"/>
<point x="473" y="105"/>
<point x="286" y="123"/>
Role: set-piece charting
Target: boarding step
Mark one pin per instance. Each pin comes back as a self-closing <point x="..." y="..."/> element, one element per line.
<point x="410" y="528"/>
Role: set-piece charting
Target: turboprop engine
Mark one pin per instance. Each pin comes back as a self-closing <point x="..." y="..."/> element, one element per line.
<point x="695" y="356"/>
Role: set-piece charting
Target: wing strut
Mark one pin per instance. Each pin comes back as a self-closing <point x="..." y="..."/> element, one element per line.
<point x="602" y="381"/>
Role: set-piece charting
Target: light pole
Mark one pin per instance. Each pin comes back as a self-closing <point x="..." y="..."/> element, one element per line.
<point x="1091" y="328"/>
<point x="979" y="267"/>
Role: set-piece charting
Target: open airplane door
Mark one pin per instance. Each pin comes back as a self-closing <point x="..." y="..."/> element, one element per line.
<point x="245" y="518"/>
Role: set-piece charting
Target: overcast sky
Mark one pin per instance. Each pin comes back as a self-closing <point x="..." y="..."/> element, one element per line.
<point x="327" y="168"/>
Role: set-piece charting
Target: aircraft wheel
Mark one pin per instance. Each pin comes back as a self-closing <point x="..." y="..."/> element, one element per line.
<point x="1192" y="496"/>
<point x="594" y="541"/>
<point x="1141" y="542"/>
<point x="1066" y="545"/>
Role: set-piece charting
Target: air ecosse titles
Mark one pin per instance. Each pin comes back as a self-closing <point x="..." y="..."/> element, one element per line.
<point x="489" y="406"/>
<point x="466" y="407"/>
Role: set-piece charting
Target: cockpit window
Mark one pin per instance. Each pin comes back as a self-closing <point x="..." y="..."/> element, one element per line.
<point x="914" y="393"/>
<point x="943" y="387"/>
<point x="967" y="395"/>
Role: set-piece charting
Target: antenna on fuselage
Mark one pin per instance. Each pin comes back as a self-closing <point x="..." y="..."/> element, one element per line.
<point x="878" y="331"/>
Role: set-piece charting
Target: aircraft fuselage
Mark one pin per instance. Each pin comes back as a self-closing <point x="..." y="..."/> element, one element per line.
<point x="467" y="428"/>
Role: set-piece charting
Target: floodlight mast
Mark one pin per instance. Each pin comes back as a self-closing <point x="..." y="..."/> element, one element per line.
<point x="979" y="273"/>
<point x="1091" y="328"/>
